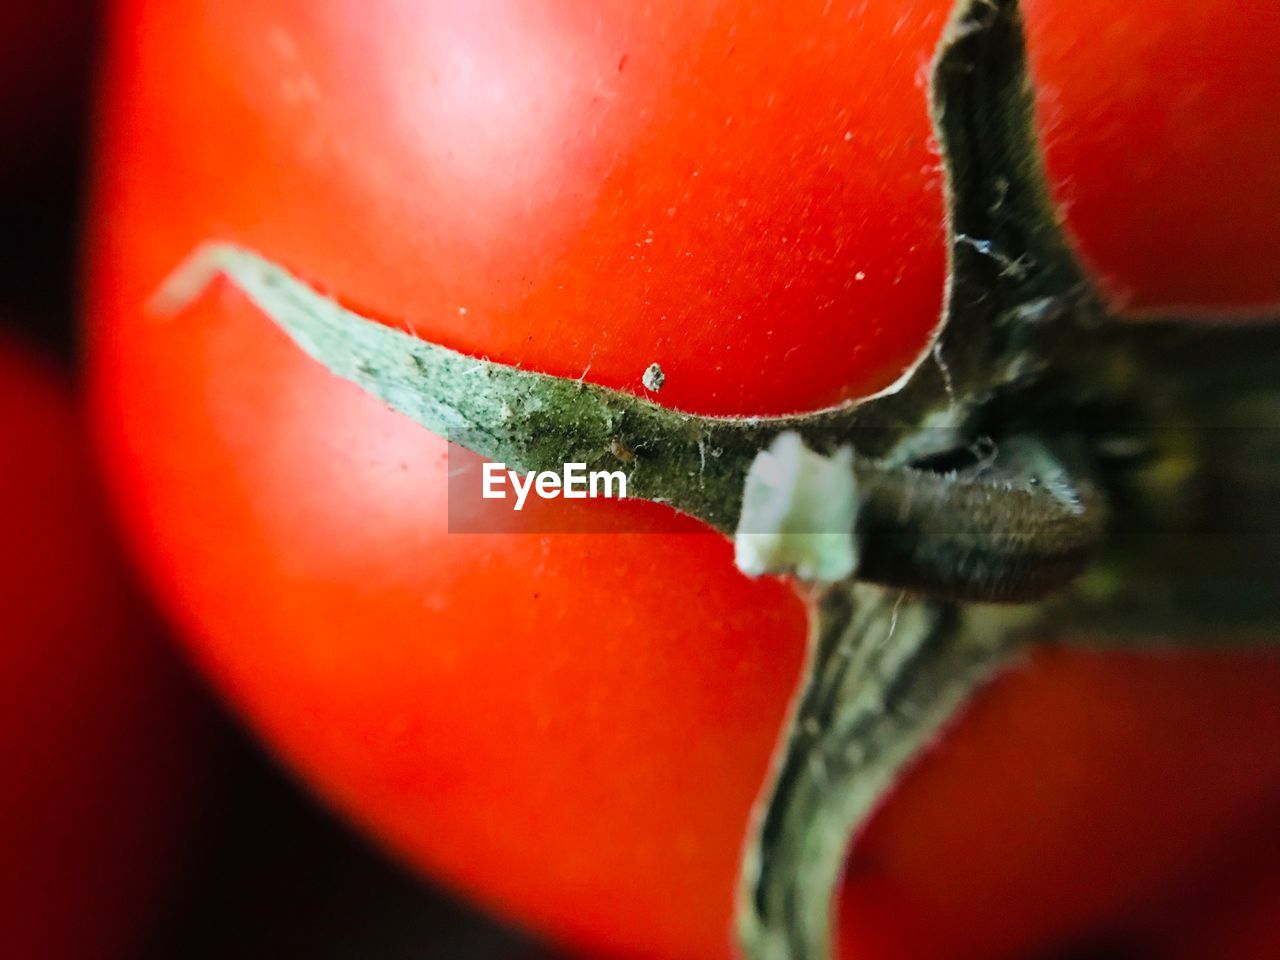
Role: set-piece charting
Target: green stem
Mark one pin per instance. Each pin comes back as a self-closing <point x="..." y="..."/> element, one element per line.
<point x="993" y="532"/>
<point x="886" y="671"/>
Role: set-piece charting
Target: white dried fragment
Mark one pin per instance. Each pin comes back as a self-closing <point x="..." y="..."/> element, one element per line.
<point x="653" y="378"/>
<point x="799" y="510"/>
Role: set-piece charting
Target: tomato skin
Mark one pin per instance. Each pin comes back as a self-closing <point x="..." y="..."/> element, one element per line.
<point x="1160" y="146"/>
<point x="1245" y="930"/>
<point x="573" y="728"/>
<point x="540" y="215"/>
<point x="1125" y="773"/>
<point x="1228" y="911"/>
<point x="473" y="652"/>
<point x="97" y="739"/>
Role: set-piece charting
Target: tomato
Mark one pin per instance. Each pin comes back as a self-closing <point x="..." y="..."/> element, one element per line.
<point x="1230" y="913"/>
<point x="97" y="737"/>
<point x="1078" y="792"/>
<point x="1246" y="931"/>
<point x="572" y="728"/>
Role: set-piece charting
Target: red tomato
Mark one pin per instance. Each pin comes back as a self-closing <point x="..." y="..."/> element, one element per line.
<point x="1078" y="792"/>
<point x="96" y="737"/>
<point x="1247" y="931"/>
<point x="1233" y="908"/>
<point x="573" y="728"/>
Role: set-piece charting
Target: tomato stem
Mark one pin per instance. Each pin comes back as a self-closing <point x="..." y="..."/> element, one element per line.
<point x="996" y="530"/>
<point x="886" y="671"/>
